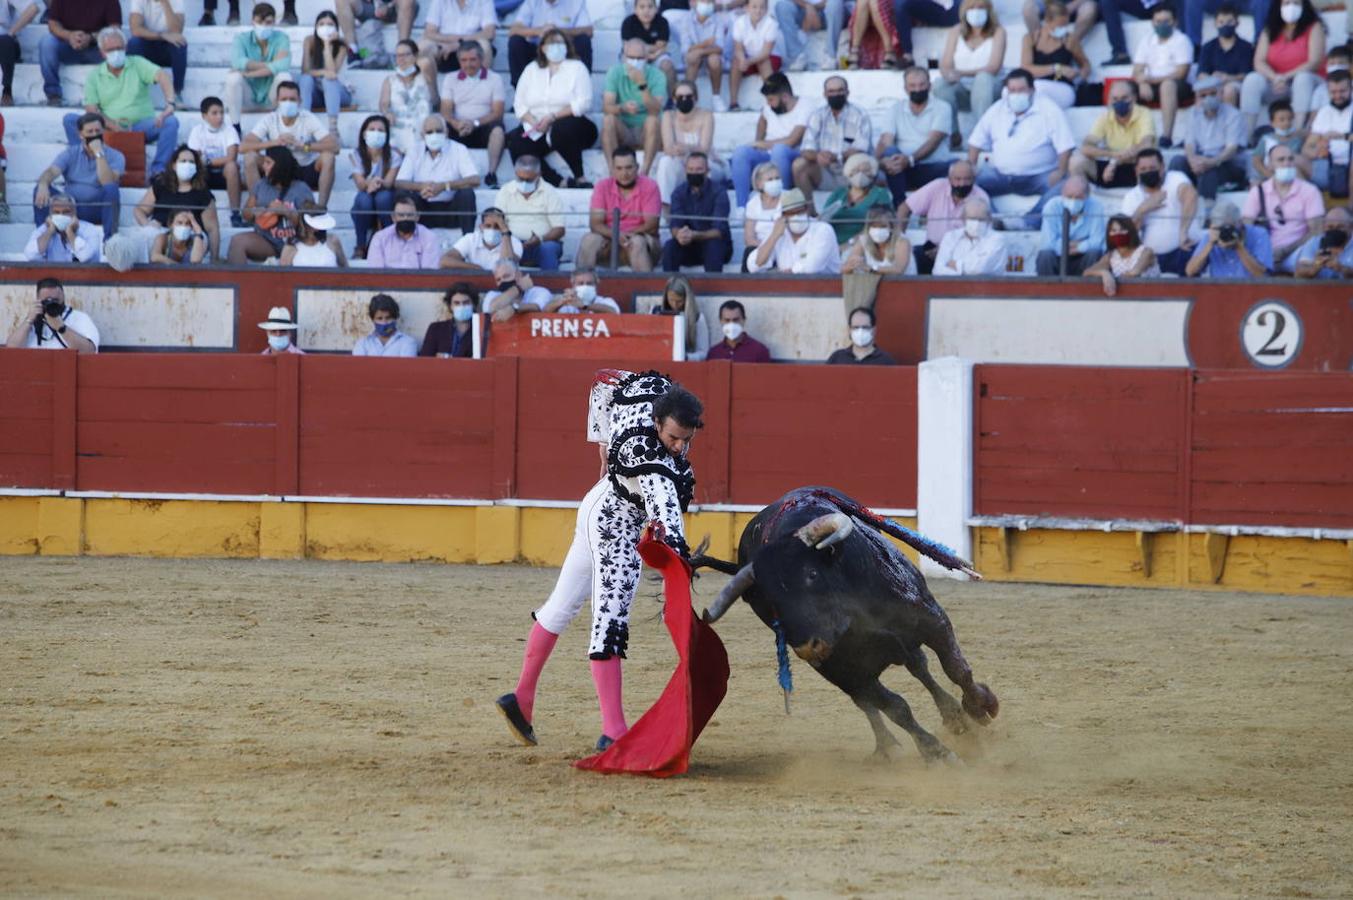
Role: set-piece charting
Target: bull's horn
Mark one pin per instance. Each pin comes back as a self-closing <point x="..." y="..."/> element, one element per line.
<point x="827" y="530"/>
<point x="735" y="588"/>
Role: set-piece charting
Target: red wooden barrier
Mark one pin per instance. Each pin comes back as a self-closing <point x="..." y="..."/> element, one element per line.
<point x="1093" y="443"/>
<point x="1273" y="449"/>
<point x="852" y="428"/>
<point x="398" y="427"/>
<point x="37" y="419"/>
<point x="177" y="423"/>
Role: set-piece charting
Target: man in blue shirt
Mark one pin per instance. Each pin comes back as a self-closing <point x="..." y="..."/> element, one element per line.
<point x="91" y="172"/>
<point x="1330" y="253"/>
<point x="1086" y="233"/>
<point x="1227" y="56"/>
<point x="699" y="221"/>
<point x="1212" y="154"/>
<point x="1231" y="249"/>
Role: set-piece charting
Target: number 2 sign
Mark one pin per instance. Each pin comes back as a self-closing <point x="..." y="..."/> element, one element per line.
<point x="1271" y="334"/>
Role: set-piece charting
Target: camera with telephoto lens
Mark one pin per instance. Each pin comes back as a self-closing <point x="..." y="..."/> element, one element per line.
<point x="52" y="307"/>
<point x="1228" y="234"/>
<point x="1333" y="239"/>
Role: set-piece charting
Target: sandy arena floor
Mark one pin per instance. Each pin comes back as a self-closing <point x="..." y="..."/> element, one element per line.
<point x="327" y="729"/>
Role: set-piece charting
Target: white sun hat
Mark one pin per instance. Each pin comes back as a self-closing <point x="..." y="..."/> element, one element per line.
<point x="279" y="319"/>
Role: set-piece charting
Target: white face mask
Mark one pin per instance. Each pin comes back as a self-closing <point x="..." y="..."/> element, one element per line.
<point x="879" y="235"/>
<point x="289" y="109"/>
<point x="185" y="170"/>
<point x="183" y="232"/>
<point x="263" y="33"/>
<point x="974" y="228"/>
<point x="977" y="17"/>
<point x="1285" y="174"/>
<point x="704" y="10"/>
<point x="462" y="313"/>
<point x="406" y="71"/>
<point x="555" y="52"/>
<point x="861" y="180"/>
<point x="586" y="293"/>
<point x="635" y="63"/>
<point x="732" y="330"/>
<point x="1291" y="13"/>
<point x="326" y="32"/>
<point x="528" y="187"/>
<point x="374" y="139"/>
<point x="60" y="221"/>
<point x="492" y="237"/>
<point x="773" y="187"/>
<point x="1019" y="102"/>
<point x="435" y="141"/>
<point x="279" y="342"/>
<point x="116" y="59"/>
<point x="862" y="337"/>
<point x="797" y="224"/>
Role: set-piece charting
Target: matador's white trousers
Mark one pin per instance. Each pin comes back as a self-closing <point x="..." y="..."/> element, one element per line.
<point x="602" y="563"/>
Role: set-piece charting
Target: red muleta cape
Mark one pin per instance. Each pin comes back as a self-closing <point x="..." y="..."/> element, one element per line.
<point x="659" y="744"/>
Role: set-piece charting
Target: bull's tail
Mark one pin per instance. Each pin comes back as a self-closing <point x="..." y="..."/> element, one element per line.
<point x="701" y="561"/>
<point x="919" y="542"/>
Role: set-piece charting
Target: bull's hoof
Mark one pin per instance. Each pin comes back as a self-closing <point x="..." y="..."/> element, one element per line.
<point x="881" y="757"/>
<point x="948" y="758"/>
<point x="981" y="704"/>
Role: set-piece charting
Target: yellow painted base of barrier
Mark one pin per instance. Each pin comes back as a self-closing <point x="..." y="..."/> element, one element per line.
<point x="65" y="526"/>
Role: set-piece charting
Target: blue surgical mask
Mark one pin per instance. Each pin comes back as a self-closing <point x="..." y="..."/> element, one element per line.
<point x="116" y="59"/>
<point x="462" y="313"/>
<point x="526" y="186"/>
<point x="635" y="63"/>
<point x="289" y="109"/>
<point x="1211" y="103"/>
<point x="263" y="33"/>
<point x="1061" y="31"/>
<point x="279" y="342"/>
<point x="1073" y="205"/>
<point x="555" y="52"/>
<point x="374" y="139"/>
<point x="1285" y="174"/>
<point x="1122" y="108"/>
<point x="1282" y="132"/>
<point x="384" y="329"/>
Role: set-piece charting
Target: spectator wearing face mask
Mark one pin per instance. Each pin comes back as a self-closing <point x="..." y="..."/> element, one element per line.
<point x="535" y="213"/>
<point x="846" y="207"/>
<point x="1161" y="69"/>
<point x="313" y="145"/>
<point x="218" y="147"/>
<point x="737" y="345"/>
<point x="1331" y="127"/>
<point x="1164" y="208"/>
<point x="52" y="324"/>
<point x="581" y="295"/>
<point x="260" y="61"/>
<point x="1336" y="61"/>
<point x="1287" y="58"/>
<point x="941" y="203"/>
<point x="569" y="17"/>
<point x="407" y="96"/>
<point x="452" y="338"/>
<point x="976" y="249"/>
<point x="699" y="221"/>
<point x="639" y="204"/>
<point x="835" y="133"/>
<point x="880" y="248"/>
<point x="1052" y="54"/>
<point x="862" y="351"/>
<point x="1084" y="236"/>
<point x="1330" y="253"/>
<point x="514" y="292"/>
<point x="763" y="208"/>
<point x="405" y="244"/>
<point x="182" y="186"/>
<point x="1108" y="154"/>
<point x="180" y="244"/>
<point x="374" y="167"/>
<point x="314" y="246"/>
<point x="483" y="248"/>
<point x="797" y="244"/>
<point x="90" y="171"/>
<point x="70" y="38"/>
<point x="281" y="331"/>
<point x="1216" y="135"/>
<point x="1231" y="249"/>
<point x="472" y="105"/>
<point x="444" y="175"/>
<point x="970" y="66"/>
<point x="1127" y="256"/>
<point x="64" y="237"/>
<point x="1291" y="206"/>
<point x="685" y="130"/>
<point x="916" y="149"/>
<point x="779" y="132"/>
<point x="705" y="40"/>
<point x="385" y="338"/>
<point x="1227" y="56"/>
<point x="1030" y="144"/>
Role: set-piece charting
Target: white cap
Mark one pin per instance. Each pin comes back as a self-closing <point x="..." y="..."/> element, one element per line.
<point x="279" y="319"/>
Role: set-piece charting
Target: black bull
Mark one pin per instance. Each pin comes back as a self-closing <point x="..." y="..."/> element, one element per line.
<point x="851" y="605"/>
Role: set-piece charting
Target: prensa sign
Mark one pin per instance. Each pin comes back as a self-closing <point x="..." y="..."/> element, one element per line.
<point x="614" y="336"/>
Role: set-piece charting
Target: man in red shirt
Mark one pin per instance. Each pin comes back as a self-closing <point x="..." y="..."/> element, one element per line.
<point x="71" y="39"/>
<point x="640" y="203"/>
<point x="737" y="345"/>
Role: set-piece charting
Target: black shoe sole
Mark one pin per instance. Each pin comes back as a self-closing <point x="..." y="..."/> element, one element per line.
<point x="516" y="722"/>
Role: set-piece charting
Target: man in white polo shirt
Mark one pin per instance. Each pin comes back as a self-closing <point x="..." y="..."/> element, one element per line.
<point x="483" y="248"/>
<point x="1161" y="69"/>
<point x="300" y="131"/>
<point x="451" y="23"/>
<point x="974" y="249"/>
<point x="1030" y="144"/>
<point x="472" y="104"/>
<point x="797" y="243"/>
<point x="441" y="172"/>
<point x="515" y="292"/>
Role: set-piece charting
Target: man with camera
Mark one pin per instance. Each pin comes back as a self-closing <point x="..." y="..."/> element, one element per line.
<point x="1231" y="249"/>
<point x="52" y="325"/>
<point x="64" y="237"/>
<point x="1329" y="254"/>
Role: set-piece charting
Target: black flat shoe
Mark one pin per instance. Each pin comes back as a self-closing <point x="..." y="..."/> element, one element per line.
<point x="604" y="742"/>
<point x="208" y="20"/>
<point x="521" y="729"/>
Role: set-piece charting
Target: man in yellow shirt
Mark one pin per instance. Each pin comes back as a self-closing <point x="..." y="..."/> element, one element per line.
<point x="1108" y="154"/>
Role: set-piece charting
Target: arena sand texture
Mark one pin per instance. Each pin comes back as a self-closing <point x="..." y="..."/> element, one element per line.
<point x="328" y="729"/>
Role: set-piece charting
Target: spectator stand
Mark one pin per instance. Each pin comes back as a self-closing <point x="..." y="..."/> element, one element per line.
<point x="38" y="128"/>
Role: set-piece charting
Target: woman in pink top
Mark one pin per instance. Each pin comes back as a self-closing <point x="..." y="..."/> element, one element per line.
<point x="1289" y="59"/>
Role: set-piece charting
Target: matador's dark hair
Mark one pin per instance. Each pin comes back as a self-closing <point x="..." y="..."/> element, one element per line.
<point x="680" y="404"/>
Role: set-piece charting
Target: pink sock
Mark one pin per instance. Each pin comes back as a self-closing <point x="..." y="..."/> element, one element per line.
<point x="539" y="645"/>
<point x="606" y="676"/>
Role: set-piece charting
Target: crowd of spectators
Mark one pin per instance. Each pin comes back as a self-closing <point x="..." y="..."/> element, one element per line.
<point x="816" y="188"/>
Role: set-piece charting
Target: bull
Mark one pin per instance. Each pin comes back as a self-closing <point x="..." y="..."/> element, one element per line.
<point x="816" y="568"/>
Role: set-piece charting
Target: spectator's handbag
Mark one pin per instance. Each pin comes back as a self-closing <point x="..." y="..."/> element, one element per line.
<point x="132" y="145"/>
